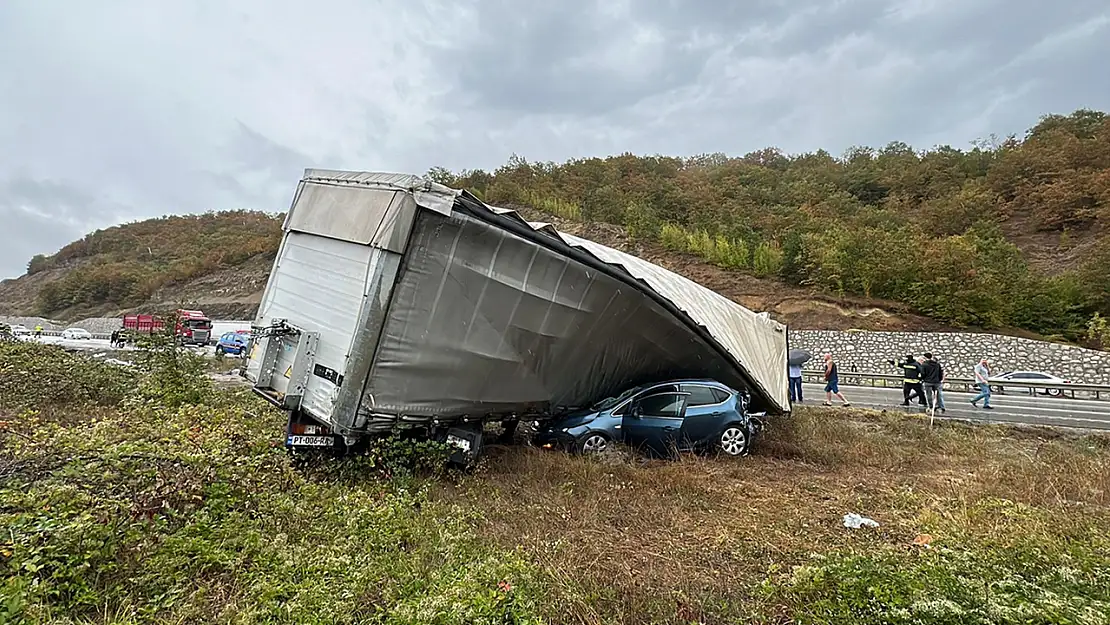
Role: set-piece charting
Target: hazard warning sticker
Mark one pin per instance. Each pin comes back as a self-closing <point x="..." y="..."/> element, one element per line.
<point x="288" y="371"/>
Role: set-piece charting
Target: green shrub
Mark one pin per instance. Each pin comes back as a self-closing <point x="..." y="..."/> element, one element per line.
<point x="767" y="259"/>
<point x="672" y="237"/>
<point x="183" y="507"/>
<point x="34" y="376"/>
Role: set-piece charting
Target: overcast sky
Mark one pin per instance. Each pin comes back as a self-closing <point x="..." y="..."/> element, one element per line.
<point x="121" y="109"/>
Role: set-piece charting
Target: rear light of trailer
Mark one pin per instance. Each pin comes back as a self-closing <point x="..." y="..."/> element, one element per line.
<point x="308" y="429"/>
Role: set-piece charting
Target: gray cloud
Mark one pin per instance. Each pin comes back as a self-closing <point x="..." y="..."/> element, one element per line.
<point x="123" y="109"/>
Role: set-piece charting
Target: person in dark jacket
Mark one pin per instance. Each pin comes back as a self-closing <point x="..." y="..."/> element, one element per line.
<point x="832" y="382"/>
<point x="932" y="381"/>
<point x="911" y="381"/>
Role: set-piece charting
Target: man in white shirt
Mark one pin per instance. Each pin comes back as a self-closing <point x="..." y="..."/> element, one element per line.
<point x="982" y="378"/>
<point x="795" y="374"/>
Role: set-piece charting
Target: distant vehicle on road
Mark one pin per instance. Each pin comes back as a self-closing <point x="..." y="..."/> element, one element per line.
<point x="193" y="326"/>
<point x="679" y="415"/>
<point x="80" y="334"/>
<point x="20" y="330"/>
<point x="999" y="382"/>
<point x="232" y="342"/>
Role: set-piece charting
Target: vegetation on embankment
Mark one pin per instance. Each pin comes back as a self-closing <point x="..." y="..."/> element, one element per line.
<point x="152" y="497"/>
<point x="126" y="265"/>
<point x="1010" y="233"/>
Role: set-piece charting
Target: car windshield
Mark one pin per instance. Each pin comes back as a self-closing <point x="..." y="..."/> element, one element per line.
<point x="609" y="402"/>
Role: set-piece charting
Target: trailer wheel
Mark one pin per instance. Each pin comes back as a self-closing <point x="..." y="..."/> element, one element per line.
<point x="508" y="430"/>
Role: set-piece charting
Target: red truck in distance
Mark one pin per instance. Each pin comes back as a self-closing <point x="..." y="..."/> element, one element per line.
<point x="193" y="326"/>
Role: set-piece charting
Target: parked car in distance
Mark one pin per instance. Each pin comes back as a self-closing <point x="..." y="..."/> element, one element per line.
<point x="661" y="417"/>
<point x="1011" y="378"/>
<point x="232" y="343"/>
<point x="20" y="330"/>
<point x="76" y="334"/>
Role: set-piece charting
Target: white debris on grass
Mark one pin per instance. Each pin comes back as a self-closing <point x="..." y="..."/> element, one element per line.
<point x="855" y="521"/>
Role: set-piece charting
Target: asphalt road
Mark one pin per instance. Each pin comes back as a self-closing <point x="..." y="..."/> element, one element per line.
<point x="1012" y="407"/>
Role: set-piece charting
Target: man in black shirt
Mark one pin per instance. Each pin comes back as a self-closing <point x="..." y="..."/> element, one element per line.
<point x="911" y="381"/>
<point x="932" y="379"/>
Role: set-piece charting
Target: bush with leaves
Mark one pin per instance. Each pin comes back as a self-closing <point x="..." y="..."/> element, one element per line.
<point x="184" y="507"/>
<point x="34" y="376"/>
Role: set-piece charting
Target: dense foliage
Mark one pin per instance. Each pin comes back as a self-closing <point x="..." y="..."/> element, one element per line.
<point x="126" y="264"/>
<point x="161" y="507"/>
<point x="935" y="229"/>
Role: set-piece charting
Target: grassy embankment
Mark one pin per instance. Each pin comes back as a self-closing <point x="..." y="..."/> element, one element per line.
<point x="158" y="499"/>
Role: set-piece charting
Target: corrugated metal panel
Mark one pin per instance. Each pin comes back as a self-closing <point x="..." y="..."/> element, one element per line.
<point x="318" y="284"/>
<point x="430" y="195"/>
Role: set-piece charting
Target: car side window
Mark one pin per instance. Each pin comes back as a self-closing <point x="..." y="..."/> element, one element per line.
<point x="700" y="395"/>
<point x="720" y="395"/>
<point x="663" y="405"/>
<point x="665" y="388"/>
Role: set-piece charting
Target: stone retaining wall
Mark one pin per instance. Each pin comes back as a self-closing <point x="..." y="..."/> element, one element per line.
<point x="958" y="352"/>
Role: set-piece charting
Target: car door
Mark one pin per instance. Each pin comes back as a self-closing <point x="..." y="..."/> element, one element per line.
<point x="1039" y="377"/>
<point x="1024" y="375"/>
<point x="707" y="410"/>
<point x="654" y="421"/>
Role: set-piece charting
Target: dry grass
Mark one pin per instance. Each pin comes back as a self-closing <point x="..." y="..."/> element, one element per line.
<point x="638" y="541"/>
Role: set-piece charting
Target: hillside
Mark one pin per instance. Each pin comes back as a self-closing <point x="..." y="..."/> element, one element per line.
<point x="1007" y="235"/>
<point x="220" y="260"/>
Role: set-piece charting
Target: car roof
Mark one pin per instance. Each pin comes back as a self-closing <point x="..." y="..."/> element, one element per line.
<point x="701" y="381"/>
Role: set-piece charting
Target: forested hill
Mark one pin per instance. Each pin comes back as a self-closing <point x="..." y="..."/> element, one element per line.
<point x="163" y="259"/>
<point x="1006" y="233"/>
<point x="1010" y="232"/>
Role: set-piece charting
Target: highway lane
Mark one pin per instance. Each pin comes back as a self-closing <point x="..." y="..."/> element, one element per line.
<point x="1012" y="407"/>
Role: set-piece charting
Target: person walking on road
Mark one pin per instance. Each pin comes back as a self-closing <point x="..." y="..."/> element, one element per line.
<point x="832" y="382"/>
<point x="795" y="374"/>
<point x="982" y="378"/>
<point x="932" y="380"/>
<point x="911" y="381"/>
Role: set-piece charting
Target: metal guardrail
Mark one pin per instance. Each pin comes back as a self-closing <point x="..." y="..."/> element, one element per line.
<point x="883" y="380"/>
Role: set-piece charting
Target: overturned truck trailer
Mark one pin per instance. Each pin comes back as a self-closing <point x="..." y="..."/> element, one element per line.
<point x="396" y="301"/>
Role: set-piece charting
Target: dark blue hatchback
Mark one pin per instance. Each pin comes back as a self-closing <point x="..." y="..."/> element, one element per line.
<point x="660" y="417"/>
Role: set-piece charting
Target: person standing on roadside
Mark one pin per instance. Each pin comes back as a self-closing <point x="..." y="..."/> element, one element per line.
<point x="911" y="381"/>
<point x="982" y="378"/>
<point x="795" y="374"/>
<point x="832" y="382"/>
<point x="932" y="379"/>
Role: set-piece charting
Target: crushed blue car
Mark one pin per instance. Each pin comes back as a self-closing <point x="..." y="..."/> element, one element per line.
<point x="663" y="417"/>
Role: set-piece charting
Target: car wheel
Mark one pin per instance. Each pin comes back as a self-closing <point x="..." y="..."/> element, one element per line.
<point x="219" y="350"/>
<point x="1056" y="392"/>
<point x="733" y="441"/>
<point x="593" y="443"/>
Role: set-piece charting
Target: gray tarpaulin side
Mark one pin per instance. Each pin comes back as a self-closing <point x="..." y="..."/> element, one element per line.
<point x="756" y="342"/>
<point x="484" y="321"/>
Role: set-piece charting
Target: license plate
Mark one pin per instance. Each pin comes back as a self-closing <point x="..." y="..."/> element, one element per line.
<point x="310" y="441"/>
